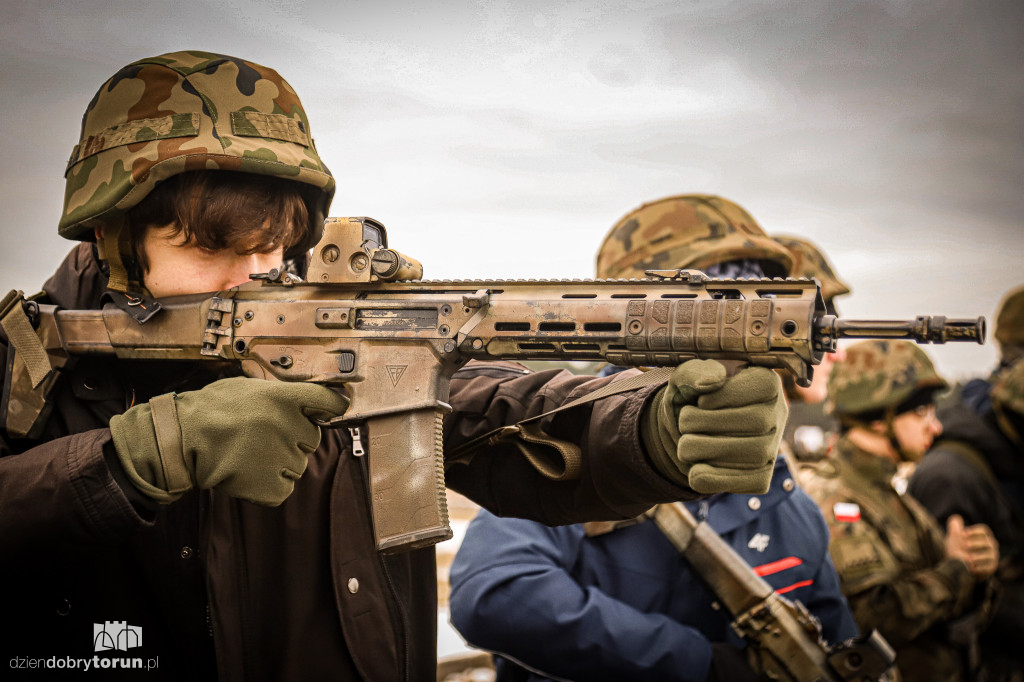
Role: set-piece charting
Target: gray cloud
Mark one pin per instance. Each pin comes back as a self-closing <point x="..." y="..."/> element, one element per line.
<point x="503" y="139"/>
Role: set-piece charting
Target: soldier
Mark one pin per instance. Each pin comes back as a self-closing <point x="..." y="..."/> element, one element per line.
<point x="897" y="570"/>
<point x="713" y="234"/>
<point x="976" y="470"/>
<point x="1009" y="336"/>
<point x="1009" y="331"/>
<point x="618" y="601"/>
<point x="697" y="231"/>
<point x="809" y="431"/>
<point x="810" y="262"/>
<point x="205" y="508"/>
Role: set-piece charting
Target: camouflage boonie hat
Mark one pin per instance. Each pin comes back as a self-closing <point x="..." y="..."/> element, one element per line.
<point x="686" y="231"/>
<point x="877" y="375"/>
<point x="810" y="262"/>
<point x="186" y="111"/>
<point x="1010" y="319"/>
<point x="1008" y="389"/>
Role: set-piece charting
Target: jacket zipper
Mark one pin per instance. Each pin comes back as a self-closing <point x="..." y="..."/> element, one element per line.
<point x="359" y="452"/>
<point x="357" y="442"/>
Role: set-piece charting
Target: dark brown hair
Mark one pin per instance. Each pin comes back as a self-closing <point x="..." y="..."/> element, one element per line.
<point x="218" y="210"/>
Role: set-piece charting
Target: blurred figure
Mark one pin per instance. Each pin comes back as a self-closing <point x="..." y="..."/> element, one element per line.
<point x="898" y="571"/>
<point x="607" y="601"/>
<point x="976" y="470"/>
<point x="691" y="231"/>
<point x="1009" y="336"/>
<point x="1009" y="331"/>
<point x="617" y="601"/>
<point x="810" y="262"/>
<point x="810" y="432"/>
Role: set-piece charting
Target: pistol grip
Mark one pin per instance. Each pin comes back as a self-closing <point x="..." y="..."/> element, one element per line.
<point x="407" y="491"/>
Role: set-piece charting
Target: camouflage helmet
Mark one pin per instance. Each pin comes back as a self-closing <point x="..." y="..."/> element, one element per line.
<point x="1008" y="388"/>
<point x="1010" y="318"/>
<point x="810" y="262"/>
<point x="686" y="231"/>
<point x="186" y="111"/>
<point x="877" y="376"/>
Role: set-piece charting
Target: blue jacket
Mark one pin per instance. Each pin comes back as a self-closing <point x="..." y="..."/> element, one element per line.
<point x="625" y="605"/>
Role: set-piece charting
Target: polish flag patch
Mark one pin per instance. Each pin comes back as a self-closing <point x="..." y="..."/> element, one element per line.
<point x="846" y="512"/>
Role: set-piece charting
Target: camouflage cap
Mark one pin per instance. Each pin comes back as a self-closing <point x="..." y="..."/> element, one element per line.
<point x="810" y="262"/>
<point x="685" y="231"/>
<point x="1010" y="318"/>
<point x="186" y="111"/>
<point x="877" y="375"/>
<point x="1008" y="388"/>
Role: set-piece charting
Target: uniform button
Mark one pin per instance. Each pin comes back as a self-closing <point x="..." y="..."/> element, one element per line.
<point x="754" y="503"/>
<point x="353" y="585"/>
<point x="186" y="552"/>
<point x="788" y="485"/>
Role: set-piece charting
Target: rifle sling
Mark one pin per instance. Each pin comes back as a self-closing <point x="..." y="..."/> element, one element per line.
<point x="677" y="524"/>
<point x="555" y="458"/>
<point x="23" y="338"/>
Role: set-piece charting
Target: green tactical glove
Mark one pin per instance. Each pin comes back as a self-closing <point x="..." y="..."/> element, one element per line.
<point x="716" y="433"/>
<point x="248" y="438"/>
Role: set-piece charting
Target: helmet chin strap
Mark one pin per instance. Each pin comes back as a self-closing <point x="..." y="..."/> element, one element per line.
<point x="894" y="441"/>
<point x="109" y="248"/>
<point x="128" y="294"/>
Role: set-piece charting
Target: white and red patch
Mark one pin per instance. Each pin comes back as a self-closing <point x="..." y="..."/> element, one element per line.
<point x="846" y="512"/>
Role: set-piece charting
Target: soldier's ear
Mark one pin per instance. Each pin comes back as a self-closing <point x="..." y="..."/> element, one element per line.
<point x="878" y="426"/>
<point x="98" y="231"/>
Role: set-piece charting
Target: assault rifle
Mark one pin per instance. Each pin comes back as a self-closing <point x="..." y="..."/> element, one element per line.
<point x="363" y="320"/>
<point x="784" y="639"/>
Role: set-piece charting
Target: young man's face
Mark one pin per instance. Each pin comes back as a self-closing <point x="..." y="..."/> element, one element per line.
<point x="916" y="430"/>
<point x="177" y="268"/>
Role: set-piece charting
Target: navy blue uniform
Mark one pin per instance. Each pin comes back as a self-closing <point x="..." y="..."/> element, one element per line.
<point x="625" y="605"/>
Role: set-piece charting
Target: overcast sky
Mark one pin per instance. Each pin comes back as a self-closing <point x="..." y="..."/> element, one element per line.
<point x="503" y="139"/>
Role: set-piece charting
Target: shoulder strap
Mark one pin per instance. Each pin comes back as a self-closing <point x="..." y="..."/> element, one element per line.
<point x="32" y="371"/>
<point x="22" y="337"/>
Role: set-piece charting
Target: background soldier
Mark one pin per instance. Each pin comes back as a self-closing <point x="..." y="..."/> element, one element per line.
<point x="618" y="601"/>
<point x="810" y="432"/>
<point x="716" y="235"/>
<point x="1009" y="330"/>
<point x="898" y="572"/>
<point x="976" y="471"/>
<point x="205" y="507"/>
<point x="1009" y="336"/>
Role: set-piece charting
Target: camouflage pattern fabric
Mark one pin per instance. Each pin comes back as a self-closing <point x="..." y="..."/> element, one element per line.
<point x="186" y="111"/>
<point x="890" y="557"/>
<point x="810" y="262"/>
<point x="879" y="374"/>
<point x="1010" y="319"/>
<point x="685" y="231"/>
<point x="1008" y="389"/>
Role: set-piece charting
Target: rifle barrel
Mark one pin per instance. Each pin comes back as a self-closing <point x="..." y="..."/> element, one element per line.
<point x="923" y="329"/>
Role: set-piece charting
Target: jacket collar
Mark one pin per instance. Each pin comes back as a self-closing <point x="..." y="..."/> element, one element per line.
<point x="871" y="467"/>
<point x="724" y="513"/>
